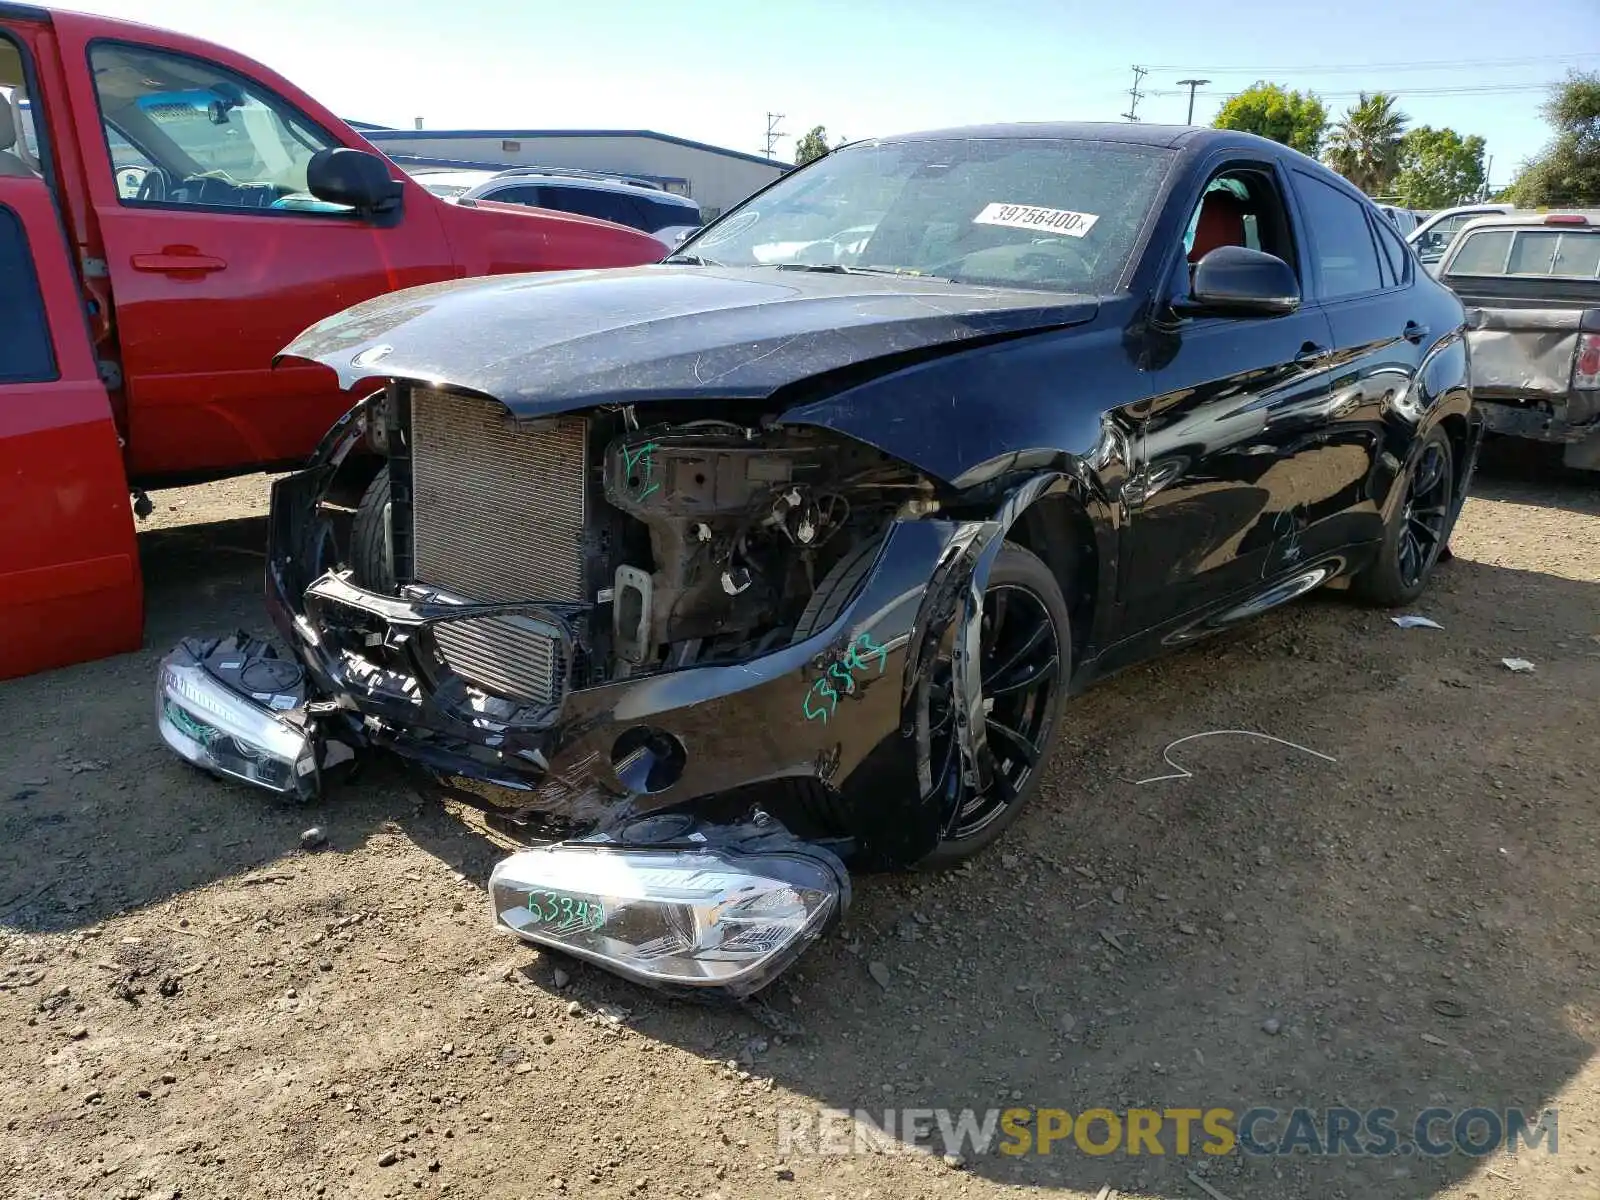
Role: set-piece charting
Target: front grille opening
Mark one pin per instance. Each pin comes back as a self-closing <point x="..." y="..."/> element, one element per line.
<point x="497" y="512"/>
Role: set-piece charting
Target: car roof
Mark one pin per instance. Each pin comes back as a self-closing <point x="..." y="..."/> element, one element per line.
<point x="1535" y="218"/>
<point x="588" y="181"/>
<point x="1138" y="133"/>
<point x="448" y="176"/>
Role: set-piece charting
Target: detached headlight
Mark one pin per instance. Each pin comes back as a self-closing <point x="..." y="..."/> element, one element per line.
<point x="216" y="728"/>
<point x="701" y="917"/>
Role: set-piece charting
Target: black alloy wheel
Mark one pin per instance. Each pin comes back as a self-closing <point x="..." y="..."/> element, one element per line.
<point x="1418" y="530"/>
<point x="1024" y="661"/>
<point x="1426" y="514"/>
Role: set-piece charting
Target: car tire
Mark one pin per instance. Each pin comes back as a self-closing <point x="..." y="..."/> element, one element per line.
<point x="1418" y="532"/>
<point x="1017" y="574"/>
<point x="369" y="537"/>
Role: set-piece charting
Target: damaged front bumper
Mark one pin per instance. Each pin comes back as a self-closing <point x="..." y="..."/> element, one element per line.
<point x="651" y="872"/>
<point x="836" y="708"/>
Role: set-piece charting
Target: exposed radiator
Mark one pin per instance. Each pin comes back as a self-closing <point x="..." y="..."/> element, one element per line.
<point x="498" y="515"/>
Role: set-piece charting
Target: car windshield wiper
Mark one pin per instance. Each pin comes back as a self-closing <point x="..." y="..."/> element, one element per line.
<point x="841" y="269"/>
<point x="693" y="260"/>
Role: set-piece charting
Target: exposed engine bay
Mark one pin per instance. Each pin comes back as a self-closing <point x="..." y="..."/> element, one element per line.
<point x="742" y="526"/>
<point x="667" y="545"/>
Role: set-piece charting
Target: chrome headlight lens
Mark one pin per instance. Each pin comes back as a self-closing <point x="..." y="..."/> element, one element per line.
<point x="701" y="917"/>
<point x="219" y="730"/>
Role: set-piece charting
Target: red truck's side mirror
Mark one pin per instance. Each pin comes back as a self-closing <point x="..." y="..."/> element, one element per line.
<point x="341" y="175"/>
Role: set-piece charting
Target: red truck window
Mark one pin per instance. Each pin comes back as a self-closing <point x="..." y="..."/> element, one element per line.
<point x="184" y="131"/>
<point x="26" y="355"/>
<point x="19" y="147"/>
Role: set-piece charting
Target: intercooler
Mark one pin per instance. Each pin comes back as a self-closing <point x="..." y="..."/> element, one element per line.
<point x="497" y="516"/>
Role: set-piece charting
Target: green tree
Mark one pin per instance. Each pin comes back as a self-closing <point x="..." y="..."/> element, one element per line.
<point x="1567" y="174"/>
<point x="813" y="145"/>
<point x="1272" y="111"/>
<point x="1364" y="146"/>
<point x="1439" y="168"/>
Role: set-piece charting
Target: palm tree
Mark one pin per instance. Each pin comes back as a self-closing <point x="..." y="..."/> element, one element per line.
<point x="1364" y="146"/>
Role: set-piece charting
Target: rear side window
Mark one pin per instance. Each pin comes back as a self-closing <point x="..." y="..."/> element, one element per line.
<point x="1341" y="239"/>
<point x="1396" y="259"/>
<point x="667" y="216"/>
<point x="26" y="355"/>
<point x="1577" y="256"/>
<point x="1483" y="253"/>
<point x="1545" y="253"/>
<point x="593" y="202"/>
<point x="1554" y="252"/>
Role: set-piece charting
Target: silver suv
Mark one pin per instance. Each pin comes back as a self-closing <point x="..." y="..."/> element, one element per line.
<point x="637" y="203"/>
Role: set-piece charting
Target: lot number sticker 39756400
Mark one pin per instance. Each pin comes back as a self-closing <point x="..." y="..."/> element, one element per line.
<point x="1044" y="220"/>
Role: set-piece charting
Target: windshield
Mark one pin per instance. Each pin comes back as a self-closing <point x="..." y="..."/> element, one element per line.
<point x="1024" y="212"/>
<point x="448" y="190"/>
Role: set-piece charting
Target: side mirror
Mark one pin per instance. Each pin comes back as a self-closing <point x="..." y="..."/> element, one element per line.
<point x="355" y="178"/>
<point x="1237" y="281"/>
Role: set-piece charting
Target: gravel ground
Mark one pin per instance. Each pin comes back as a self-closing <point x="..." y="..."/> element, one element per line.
<point x="192" y="1004"/>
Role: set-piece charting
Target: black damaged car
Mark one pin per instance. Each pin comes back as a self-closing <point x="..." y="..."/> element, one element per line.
<point x="715" y="576"/>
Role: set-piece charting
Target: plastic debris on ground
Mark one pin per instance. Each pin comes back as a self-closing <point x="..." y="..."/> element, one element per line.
<point x="1414" y="622"/>
<point x="1516" y="664"/>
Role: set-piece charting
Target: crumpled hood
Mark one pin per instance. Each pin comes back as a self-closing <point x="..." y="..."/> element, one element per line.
<point x="557" y="341"/>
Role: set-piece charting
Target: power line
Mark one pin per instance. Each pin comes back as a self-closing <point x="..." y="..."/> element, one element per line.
<point x="1134" y="94"/>
<point x="1401" y="65"/>
<point x="1486" y="89"/>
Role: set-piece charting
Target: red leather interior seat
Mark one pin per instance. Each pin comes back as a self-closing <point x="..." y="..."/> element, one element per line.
<point x="1221" y="224"/>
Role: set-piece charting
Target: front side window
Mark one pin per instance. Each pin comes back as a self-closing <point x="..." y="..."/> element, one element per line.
<point x="192" y="132"/>
<point x="1346" y="256"/>
<point x="519" y="194"/>
<point x="1047" y="213"/>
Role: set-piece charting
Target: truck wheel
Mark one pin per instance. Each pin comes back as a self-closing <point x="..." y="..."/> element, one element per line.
<point x="1416" y="534"/>
<point x="369" y="539"/>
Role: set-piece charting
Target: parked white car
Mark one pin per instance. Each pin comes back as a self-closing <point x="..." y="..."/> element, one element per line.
<point x="452" y="185"/>
<point x="1433" y="237"/>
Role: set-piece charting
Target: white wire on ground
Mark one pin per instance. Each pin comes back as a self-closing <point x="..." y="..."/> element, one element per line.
<point x="1184" y="772"/>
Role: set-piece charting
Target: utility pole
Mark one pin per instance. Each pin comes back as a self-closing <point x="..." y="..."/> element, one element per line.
<point x="1487" y="167"/>
<point x="773" y="132"/>
<point x="1134" y="94"/>
<point x="1191" y="84"/>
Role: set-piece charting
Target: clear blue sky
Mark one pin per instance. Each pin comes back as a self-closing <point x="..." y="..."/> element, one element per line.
<point x="712" y="70"/>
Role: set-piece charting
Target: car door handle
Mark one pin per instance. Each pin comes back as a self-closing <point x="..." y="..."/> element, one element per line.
<point x="1415" y="333"/>
<point x="174" y="259"/>
<point x="1311" y="355"/>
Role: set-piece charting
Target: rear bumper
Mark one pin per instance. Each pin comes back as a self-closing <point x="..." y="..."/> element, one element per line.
<point x="1561" y="419"/>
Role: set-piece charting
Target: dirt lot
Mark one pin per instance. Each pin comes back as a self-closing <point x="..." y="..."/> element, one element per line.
<point x="191" y="1003"/>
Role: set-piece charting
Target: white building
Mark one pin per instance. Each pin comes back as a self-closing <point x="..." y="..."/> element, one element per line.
<point x="715" y="177"/>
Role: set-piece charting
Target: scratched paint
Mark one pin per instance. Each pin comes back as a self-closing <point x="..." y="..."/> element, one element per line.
<point x="822" y="699"/>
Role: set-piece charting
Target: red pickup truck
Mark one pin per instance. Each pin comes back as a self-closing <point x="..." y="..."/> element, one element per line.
<point x="171" y="215"/>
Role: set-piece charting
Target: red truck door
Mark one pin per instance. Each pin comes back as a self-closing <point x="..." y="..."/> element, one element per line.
<point x="217" y="257"/>
<point x="69" y="567"/>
